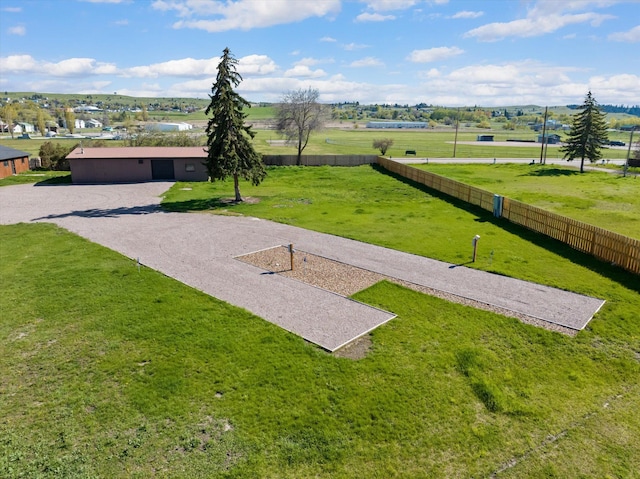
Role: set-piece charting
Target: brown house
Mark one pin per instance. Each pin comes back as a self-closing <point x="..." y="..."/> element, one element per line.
<point x="137" y="164"/>
<point x="12" y="161"/>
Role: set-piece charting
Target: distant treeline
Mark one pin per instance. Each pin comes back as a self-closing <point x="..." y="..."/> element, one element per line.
<point x="630" y="110"/>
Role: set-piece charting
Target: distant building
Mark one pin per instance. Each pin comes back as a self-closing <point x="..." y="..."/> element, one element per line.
<point x="169" y="126"/>
<point x="397" y="124"/>
<point x="86" y="109"/>
<point x="550" y="139"/>
<point x="551" y="125"/>
<point x="25" y="128"/>
<point x="79" y="124"/>
<point x="93" y="123"/>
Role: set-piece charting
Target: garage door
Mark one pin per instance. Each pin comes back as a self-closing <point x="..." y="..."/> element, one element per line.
<point x="162" y="170"/>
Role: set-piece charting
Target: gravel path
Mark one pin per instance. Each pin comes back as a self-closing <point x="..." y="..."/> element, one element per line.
<point x="203" y="251"/>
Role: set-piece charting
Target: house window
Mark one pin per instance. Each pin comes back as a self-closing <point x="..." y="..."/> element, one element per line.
<point x="189" y="167"/>
<point x="23" y="161"/>
<point x="140" y="162"/>
<point x="6" y="163"/>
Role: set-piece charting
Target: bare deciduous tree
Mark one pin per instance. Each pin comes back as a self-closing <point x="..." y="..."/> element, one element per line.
<point x="383" y="144"/>
<point x="299" y="114"/>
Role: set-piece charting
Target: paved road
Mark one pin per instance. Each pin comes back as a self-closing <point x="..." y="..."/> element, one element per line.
<point x="199" y="250"/>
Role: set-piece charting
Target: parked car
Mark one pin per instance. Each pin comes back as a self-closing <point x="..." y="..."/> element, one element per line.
<point x="616" y="143"/>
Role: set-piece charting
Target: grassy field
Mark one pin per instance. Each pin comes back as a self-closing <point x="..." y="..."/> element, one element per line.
<point x="335" y="141"/>
<point x="426" y="143"/>
<point x="107" y="371"/>
<point x="609" y="201"/>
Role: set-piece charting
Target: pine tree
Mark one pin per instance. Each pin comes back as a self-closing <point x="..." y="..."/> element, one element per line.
<point x="229" y="148"/>
<point x="588" y="133"/>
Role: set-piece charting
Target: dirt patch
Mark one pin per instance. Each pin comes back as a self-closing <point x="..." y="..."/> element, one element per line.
<point x="356" y="349"/>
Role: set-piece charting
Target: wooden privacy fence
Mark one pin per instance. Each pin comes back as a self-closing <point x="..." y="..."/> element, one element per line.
<point x="462" y="191"/>
<point x="603" y="244"/>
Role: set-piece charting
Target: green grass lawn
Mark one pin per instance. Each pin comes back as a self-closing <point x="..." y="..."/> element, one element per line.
<point x="605" y="200"/>
<point x="107" y="371"/>
<point x="45" y="177"/>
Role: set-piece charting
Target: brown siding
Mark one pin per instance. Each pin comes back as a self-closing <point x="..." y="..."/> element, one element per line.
<point x="21" y="165"/>
<point x="118" y="170"/>
<point x="199" y="172"/>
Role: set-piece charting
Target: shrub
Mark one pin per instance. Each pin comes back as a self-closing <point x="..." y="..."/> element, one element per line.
<point x="53" y="157"/>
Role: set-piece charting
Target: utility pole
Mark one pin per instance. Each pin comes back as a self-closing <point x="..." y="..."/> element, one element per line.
<point x="626" y="164"/>
<point x="544" y="134"/>
<point x="455" y="141"/>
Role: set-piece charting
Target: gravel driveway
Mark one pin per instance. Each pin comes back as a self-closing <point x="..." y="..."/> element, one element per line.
<point x="200" y="249"/>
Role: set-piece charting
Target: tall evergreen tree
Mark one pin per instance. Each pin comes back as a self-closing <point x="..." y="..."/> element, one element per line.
<point x="588" y="133"/>
<point x="229" y="148"/>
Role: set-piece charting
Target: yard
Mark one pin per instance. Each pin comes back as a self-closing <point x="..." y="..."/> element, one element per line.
<point x="111" y="371"/>
<point x="609" y="201"/>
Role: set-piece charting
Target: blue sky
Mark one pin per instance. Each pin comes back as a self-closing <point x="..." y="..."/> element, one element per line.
<point x="443" y="52"/>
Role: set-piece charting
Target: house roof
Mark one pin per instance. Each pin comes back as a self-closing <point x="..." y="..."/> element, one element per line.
<point x="7" y="153"/>
<point x="138" y="152"/>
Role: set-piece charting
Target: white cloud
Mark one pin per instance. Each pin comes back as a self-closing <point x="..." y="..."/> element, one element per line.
<point x="434" y="54"/>
<point x="525" y="82"/>
<point x="122" y="22"/>
<point x="386" y="5"/>
<point x="191" y="67"/>
<point x="304" y="71"/>
<point x="17" y="30"/>
<point x="374" y="17"/>
<point x="244" y="14"/>
<point x="105" y="1"/>
<point x="65" y="68"/>
<point x="467" y="14"/>
<point x="627" y="83"/>
<point x="546" y="17"/>
<point x="256" y="65"/>
<point x="350" y="47"/>
<point x="308" y="61"/>
<point x="182" y="67"/>
<point x="12" y="9"/>
<point x="367" y="62"/>
<point x="328" y="40"/>
<point x="432" y="73"/>
<point x="630" y="36"/>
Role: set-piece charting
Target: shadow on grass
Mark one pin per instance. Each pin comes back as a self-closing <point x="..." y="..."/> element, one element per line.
<point x="614" y="273"/>
<point x="552" y="172"/>
<point x="55" y="180"/>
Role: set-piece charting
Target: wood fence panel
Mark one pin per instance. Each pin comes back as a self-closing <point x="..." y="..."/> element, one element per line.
<point x="603" y="244"/>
